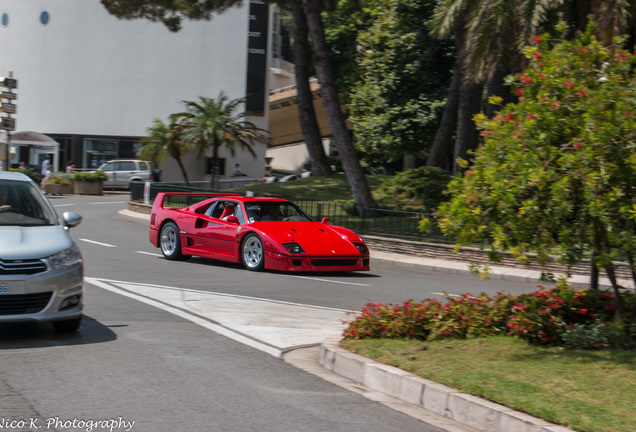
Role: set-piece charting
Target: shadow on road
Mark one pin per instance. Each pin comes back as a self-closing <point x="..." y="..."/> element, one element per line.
<point x="40" y="335"/>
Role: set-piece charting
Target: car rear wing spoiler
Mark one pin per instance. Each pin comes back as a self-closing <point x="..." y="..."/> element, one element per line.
<point x="188" y="198"/>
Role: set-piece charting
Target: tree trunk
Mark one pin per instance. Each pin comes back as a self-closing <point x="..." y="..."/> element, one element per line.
<point x="348" y="156"/>
<point x="307" y="116"/>
<point x="442" y="146"/>
<point x="183" y="170"/>
<point x="467" y="136"/>
<point x="620" y="307"/>
<point x="496" y="87"/>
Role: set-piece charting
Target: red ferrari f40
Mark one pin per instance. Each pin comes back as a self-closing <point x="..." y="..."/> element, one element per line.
<point x="261" y="233"/>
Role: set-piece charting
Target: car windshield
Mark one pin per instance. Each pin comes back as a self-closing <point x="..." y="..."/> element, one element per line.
<point x="265" y="211"/>
<point x="22" y="204"/>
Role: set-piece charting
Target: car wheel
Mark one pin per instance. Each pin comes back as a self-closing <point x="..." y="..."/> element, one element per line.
<point x="253" y="253"/>
<point x="170" y="242"/>
<point x="67" y="326"/>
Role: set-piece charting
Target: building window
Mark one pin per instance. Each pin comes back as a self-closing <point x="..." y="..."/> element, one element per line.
<point x="44" y="17"/>
<point x="5" y="19"/>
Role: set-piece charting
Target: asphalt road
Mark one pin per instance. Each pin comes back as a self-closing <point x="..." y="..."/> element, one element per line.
<point x="149" y="363"/>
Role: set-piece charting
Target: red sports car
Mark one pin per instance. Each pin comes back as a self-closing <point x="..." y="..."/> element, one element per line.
<point x="262" y="233"/>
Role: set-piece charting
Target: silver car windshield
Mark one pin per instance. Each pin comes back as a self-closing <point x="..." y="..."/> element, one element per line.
<point x="22" y="204"/>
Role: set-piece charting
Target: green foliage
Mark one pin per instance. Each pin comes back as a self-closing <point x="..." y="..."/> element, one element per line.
<point x="544" y="317"/>
<point x="398" y="102"/>
<point x="90" y="176"/>
<point x="61" y="178"/>
<point x="419" y="187"/>
<point x="556" y="170"/>
<point x="29" y="172"/>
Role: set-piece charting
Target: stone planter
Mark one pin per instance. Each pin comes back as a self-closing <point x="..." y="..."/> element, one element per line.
<point x="58" y="189"/>
<point x="88" y="187"/>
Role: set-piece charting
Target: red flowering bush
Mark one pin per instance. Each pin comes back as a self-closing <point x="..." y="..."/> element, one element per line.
<point x="540" y="317"/>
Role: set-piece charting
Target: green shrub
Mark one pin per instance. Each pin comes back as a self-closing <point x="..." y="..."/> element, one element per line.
<point x="60" y="178"/>
<point x="560" y="316"/>
<point x="419" y="187"/>
<point x="90" y="176"/>
<point x="29" y="172"/>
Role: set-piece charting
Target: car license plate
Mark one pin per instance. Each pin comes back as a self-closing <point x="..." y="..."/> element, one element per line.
<point x="5" y="288"/>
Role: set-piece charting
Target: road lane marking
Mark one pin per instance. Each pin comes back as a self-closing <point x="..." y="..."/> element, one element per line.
<point x="327" y="280"/>
<point x="97" y="243"/>
<point x="271" y="326"/>
<point x="108" y="202"/>
<point x="63" y="205"/>
<point x="203" y="322"/>
<point x="149" y="253"/>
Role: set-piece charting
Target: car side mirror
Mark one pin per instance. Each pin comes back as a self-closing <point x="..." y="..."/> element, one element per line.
<point x="71" y="219"/>
<point x="325" y="220"/>
<point x="233" y="219"/>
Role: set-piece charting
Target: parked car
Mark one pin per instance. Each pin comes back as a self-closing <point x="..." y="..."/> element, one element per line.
<point x="122" y="172"/>
<point x="41" y="267"/>
<point x="261" y="233"/>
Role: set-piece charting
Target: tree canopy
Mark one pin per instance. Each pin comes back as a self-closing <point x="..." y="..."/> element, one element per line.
<point x="556" y="173"/>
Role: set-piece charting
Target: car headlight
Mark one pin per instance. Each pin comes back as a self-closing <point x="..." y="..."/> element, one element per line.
<point x="293" y="248"/>
<point x="70" y="257"/>
<point x="362" y="248"/>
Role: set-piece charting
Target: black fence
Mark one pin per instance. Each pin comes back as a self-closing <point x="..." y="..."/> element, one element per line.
<point x="380" y="221"/>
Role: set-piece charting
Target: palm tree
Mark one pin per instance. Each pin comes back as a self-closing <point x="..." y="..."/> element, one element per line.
<point x="215" y="123"/>
<point x="306" y="114"/>
<point x="164" y="139"/>
<point x="344" y="142"/>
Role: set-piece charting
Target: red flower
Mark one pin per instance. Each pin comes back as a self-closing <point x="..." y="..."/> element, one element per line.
<point x="508" y="117"/>
<point x="537" y="55"/>
<point x="578" y="145"/>
<point x="581" y="93"/>
<point x="526" y="80"/>
<point x="570" y="86"/>
<point x="537" y="39"/>
<point x="519" y="91"/>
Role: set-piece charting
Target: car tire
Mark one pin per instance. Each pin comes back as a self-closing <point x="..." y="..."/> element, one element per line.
<point x="170" y="242"/>
<point x="67" y="326"/>
<point x="253" y="253"/>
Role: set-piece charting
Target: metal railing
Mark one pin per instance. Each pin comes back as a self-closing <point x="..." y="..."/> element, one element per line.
<point x="381" y="221"/>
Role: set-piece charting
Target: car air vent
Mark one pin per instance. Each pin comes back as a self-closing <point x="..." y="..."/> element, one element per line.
<point x="19" y="304"/>
<point x="32" y="266"/>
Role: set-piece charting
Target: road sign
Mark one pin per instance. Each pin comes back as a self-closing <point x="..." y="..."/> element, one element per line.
<point x="8" y="124"/>
<point x="8" y="95"/>
<point x="8" y="108"/>
<point x="10" y="83"/>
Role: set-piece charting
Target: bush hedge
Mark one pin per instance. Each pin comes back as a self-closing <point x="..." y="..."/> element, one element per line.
<point x="559" y="316"/>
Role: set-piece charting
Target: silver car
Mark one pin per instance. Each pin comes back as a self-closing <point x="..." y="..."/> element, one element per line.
<point x="121" y="173"/>
<point x="41" y="268"/>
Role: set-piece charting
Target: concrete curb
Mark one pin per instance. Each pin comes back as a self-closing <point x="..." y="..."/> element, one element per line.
<point x="504" y="273"/>
<point x="471" y="411"/>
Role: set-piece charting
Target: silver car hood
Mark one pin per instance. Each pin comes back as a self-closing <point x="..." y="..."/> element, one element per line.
<point x="18" y="242"/>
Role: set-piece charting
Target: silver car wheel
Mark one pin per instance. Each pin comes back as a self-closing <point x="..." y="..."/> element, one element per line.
<point x="253" y="253"/>
<point x="170" y="242"/>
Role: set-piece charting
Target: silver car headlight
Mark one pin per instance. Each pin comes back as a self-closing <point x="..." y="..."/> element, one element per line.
<point x="70" y="257"/>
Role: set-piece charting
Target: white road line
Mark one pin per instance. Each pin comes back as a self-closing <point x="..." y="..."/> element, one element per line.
<point x="149" y="253"/>
<point x="327" y="280"/>
<point x="223" y="331"/>
<point x="97" y="243"/>
<point x="108" y="202"/>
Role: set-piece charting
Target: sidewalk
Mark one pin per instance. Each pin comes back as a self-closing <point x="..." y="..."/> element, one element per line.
<point x="432" y="402"/>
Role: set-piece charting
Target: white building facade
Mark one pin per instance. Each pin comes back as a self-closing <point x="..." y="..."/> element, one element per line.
<point x="95" y="83"/>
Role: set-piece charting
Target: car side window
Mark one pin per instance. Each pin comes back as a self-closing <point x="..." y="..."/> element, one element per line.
<point x="108" y="166"/>
<point x="126" y="166"/>
<point x="143" y="166"/>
